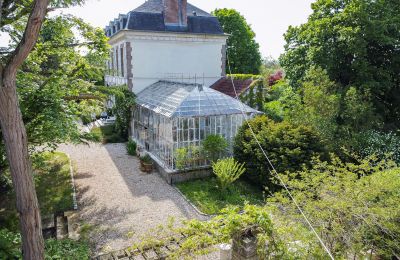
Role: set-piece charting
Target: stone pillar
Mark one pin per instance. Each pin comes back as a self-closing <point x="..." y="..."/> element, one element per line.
<point x="223" y="61"/>
<point x="244" y="247"/>
<point x="129" y="66"/>
<point x="225" y="252"/>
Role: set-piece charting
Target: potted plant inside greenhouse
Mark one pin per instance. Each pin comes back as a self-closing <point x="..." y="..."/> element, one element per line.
<point x="146" y="164"/>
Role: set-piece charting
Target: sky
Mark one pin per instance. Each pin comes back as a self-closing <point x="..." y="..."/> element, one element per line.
<point x="269" y="19"/>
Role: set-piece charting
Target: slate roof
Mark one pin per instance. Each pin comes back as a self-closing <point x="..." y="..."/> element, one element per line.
<point x="175" y="99"/>
<point x="150" y="17"/>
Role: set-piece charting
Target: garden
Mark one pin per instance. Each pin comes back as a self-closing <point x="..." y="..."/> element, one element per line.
<point x="55" y="195"/>
<point x="316" y="176"/>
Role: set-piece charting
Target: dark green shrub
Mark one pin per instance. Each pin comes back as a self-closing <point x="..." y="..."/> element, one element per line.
<point x="380" y="144"/>
<point x="104" y="134"/>
<point x="86" y="119"/>
<point x="10" y="245"/>
<point x="214" y="147"/>
<point x="131" y="147"/>
<point x="288" y="146"/>
<point x="66" y="249"/>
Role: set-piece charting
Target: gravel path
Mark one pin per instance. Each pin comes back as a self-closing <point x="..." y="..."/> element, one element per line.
<point x="119" y="201"/>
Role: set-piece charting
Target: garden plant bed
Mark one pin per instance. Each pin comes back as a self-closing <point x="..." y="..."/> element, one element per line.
<point x="53" y="187"/>
<point x="209" y="199"/>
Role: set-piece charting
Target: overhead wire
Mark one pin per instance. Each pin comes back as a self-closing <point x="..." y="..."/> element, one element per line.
<point x="273" y="168"/>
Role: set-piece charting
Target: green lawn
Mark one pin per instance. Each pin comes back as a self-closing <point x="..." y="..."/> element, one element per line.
<point x="209" y="199"/>
<point x="105" y="134"/>
<point x="53" y="184"/>
<point x="53" y="188"/>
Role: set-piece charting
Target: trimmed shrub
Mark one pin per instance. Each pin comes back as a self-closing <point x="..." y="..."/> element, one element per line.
<point x="288" y="146"/>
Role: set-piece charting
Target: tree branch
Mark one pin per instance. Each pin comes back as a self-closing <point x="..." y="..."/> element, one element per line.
<point x="1" y="9"/>
<point x="82" y="97"/>
<point x="57" y="46"/>
<point x="28" y="41"/>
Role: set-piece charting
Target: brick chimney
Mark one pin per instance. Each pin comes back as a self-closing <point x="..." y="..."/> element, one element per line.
<point x="175" y="13"/>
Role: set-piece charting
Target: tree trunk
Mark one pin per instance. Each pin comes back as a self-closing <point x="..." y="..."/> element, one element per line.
<point x="15" y="139"/>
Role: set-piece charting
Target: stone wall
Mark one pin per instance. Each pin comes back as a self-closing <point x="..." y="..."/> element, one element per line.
<point x="173" y="177"/>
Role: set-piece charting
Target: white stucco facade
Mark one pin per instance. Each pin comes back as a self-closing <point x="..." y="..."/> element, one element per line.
<point x="142" y="58"/>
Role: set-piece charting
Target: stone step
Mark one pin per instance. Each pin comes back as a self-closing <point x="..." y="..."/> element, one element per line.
<point x="73" y="224"/>
<point x="61" y="227"/>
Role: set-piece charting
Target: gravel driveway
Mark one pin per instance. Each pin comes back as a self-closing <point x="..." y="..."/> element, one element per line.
<point x="119" y="201"/>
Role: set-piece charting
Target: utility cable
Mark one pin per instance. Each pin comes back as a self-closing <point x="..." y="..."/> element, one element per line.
<point x="272" y="166"/>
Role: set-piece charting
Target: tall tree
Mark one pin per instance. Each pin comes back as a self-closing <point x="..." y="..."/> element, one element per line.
<point x="29" y="14"/>
<point x="15" y="137"/>
<point x="243" y="50"/>
<point x="357" y="43"/>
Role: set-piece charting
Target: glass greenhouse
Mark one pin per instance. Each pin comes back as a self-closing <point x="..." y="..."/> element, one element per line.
<point x="171" y="115"/>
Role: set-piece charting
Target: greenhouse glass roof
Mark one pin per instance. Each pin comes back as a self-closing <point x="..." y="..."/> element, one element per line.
<point x="175" y="99"/>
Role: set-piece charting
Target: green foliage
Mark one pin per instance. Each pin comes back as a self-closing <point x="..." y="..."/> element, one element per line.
<point x="243" y="76"/>
<point x="188" y="157"/>
<point x="105" y="134"/>
<point x="53" y="183"/>
<point x="55" y="75"/>
<point x="320" y="107"/>
<point x="227" y="171"/>
<point x="255" y="96"/>
<point x="206" y="195"/>
<point x="289" y="147"/>
<point x="379" y="144"/>
<point x="53" y="188"/>
<point x="146" y="159"/>
<point x="131" y="147"/>
<point x="243" y="50"/>
<point x="10" y="245"/>
<point x="356" y="43"/>
<point x="66" y="249"/>
<point x="336" y="117"/>
<point x="124" y="103"/>
<point x="181" y="158"/>
<point x="214" y="147"/>
<point x="281" y="102"/>
<point x="200" y="236"/>
<point x="353" y="206"/>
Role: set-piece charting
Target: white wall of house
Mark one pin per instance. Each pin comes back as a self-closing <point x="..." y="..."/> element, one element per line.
<point x="155" y="60"/>
<point x="173" y="56"/>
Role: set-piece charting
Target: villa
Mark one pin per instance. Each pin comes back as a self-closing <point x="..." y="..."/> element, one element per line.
<point x="170" y="53"/>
